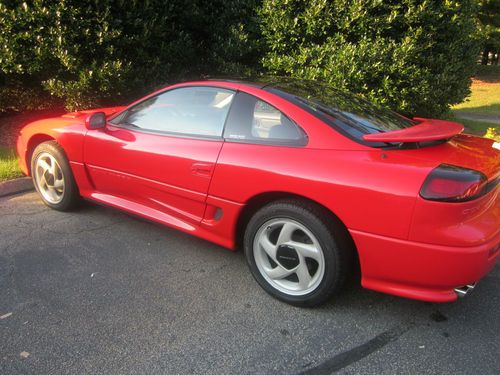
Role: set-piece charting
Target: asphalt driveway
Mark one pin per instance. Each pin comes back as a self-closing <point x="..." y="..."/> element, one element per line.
<point x="98" y="291"/>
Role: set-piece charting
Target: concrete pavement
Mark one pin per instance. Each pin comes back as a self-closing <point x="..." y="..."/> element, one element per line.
<point x="98" y="291"/>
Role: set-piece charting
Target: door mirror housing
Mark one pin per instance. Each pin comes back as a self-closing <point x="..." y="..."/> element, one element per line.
<point x="96" y="120"/>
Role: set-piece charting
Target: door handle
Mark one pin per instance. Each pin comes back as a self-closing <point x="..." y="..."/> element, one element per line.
<point x="202" y="169"/>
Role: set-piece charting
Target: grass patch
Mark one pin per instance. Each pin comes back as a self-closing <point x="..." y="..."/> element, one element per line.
<point x="9" y="165"/>
<point x="485" y="98"/>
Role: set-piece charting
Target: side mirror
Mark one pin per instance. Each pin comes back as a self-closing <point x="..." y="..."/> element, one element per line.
<point x="96" y="120"/>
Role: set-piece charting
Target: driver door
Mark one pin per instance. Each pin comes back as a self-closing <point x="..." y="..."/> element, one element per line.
<point x="158" y="156"/>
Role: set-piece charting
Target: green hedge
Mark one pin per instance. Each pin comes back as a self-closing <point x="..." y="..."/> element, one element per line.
<point x="413" y="56"/>
<point x="93" y="51"/>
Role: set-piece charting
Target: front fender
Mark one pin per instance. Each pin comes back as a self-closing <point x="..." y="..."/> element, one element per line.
<point x="68" y="133"/>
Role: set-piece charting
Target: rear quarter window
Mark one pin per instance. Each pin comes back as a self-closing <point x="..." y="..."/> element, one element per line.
<point x="252" y="120"/>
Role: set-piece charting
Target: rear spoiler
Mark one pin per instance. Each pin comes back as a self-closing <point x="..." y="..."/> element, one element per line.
<point x="426" y="130"/>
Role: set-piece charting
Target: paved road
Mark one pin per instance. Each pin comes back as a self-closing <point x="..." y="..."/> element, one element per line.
<point x="494" y="119"/>
<point x="98" y="291"/>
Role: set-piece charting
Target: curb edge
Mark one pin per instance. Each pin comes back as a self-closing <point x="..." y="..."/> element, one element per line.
<point x="16" y="186"/>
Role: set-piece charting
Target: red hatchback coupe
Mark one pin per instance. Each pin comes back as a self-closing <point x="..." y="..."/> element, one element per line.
<point x="307" y="179"/>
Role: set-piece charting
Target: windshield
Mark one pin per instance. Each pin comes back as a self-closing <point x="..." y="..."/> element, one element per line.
<point x="350" y="114"/>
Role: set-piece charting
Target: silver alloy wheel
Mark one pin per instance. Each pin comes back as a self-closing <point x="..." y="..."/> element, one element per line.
<point x="49" y="178"/>
<point x="289" y="256"/>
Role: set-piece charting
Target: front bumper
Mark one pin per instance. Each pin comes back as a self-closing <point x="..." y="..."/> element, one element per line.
<point x="21" y="149"/>
<point x="422" y="271"/>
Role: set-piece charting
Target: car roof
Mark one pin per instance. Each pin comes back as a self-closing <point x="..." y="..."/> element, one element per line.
<point x="259" y="82"/>
<point x="264" y="82"/>
<point x="250" y="81"/>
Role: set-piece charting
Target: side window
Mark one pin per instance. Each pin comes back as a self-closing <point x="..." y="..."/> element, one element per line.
<point x="199" y="111"/>
<point x="253" y="120"/>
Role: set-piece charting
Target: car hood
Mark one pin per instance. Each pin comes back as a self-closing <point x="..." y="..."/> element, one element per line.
<point x="82" y="114"/>
<point x="66" y="121"/>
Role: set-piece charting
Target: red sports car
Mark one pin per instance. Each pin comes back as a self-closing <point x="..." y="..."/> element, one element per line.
<point x="310" y="181"/>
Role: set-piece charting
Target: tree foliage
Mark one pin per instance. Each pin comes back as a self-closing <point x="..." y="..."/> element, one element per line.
<point x="413" y="56"/>
<point x="416" y="56"/>
<point x="86" y="51"/>
<point x="489" y="19"/>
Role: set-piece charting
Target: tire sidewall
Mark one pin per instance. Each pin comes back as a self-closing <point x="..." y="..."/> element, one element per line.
<point x="331" y="280"/>
<point x="70" y="190"/>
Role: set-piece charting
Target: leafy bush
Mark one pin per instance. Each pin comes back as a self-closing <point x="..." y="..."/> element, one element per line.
<point x="493" y="133"/>
<point x="413" y="56"/>
<point x="489" y="29"/>
<point x="97" y="51"/>
<point x="17" y="93"/>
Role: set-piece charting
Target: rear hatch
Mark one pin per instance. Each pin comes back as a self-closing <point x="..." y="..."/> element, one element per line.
<point x="471" y="219"/>
<point x="463" y="150"/>
<point x="442" y="142"/>
<point x="466" y="151"/>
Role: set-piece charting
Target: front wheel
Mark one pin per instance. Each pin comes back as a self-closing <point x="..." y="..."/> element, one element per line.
<point x="293" y="249"/>
<point x="53" y="178"/>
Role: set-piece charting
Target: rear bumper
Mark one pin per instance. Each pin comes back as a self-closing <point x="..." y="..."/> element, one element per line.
<point x="422" y="271"/>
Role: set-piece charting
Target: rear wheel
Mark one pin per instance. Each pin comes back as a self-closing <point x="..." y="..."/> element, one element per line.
<point x="293" y="249"/>
<point x="53" y="178"/>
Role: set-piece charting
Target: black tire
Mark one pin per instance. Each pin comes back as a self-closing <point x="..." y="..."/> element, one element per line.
<point x="70" y="196"/>
<point x="330" y="234"/>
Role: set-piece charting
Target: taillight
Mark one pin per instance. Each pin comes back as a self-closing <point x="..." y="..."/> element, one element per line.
<point x="449" y="183"/>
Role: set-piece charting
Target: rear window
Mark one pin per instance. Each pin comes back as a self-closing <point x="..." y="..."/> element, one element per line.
<point x="349" y="114"/>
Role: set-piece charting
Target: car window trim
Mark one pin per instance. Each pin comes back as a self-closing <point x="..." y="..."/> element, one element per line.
<point x="166" y="133"/>
<point x="269" y="143"/>
<point x="175" y="134"/>
<point x="302" y="142"/>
